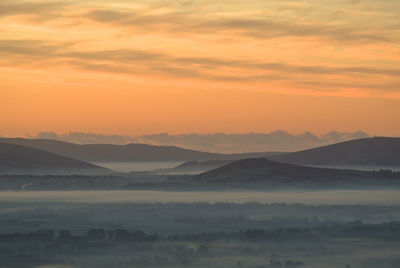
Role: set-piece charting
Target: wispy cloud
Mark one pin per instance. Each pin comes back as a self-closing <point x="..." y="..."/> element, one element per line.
<point x="35" y="10"/>
<point x="296" y="25"/>
<point x="131" y="61"/>
<point x="262" y="28"/>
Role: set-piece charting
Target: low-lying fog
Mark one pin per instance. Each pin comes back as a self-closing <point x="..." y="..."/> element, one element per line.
<point x="364" y="168"/>
<point x="138" y="166"/>
<point x="156" y="165"/>
<point x="380" y="197"/>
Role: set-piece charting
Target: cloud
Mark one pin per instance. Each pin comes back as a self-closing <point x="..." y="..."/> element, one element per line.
<point x="217" y="142"/>
<point x="36" y="10"/>
<point x="335" y="136"/>
<point x="84" y="138"/>
<point x="133" y="61"/>
<point x="34" y="48"/>
<point x="177" y="19"/>
<point x="262" y="27"/>
<point x="250" y="142"/>
<point x="118" y="55"/>
<point x="30" y="48"/>
<point x="202" y="24"/>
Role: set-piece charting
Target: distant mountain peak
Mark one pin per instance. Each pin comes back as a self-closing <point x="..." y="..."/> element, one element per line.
<point x="279" y="140"/>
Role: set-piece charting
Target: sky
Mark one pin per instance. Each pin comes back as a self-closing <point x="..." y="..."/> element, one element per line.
<point x="180" y="66"/>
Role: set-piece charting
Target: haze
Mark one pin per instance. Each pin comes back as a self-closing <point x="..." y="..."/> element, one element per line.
<point x="381" y="197"/>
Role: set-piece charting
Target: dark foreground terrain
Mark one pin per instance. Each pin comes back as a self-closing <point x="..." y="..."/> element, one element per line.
<point x="351" y="245"/>
<point x="255" y="235"/>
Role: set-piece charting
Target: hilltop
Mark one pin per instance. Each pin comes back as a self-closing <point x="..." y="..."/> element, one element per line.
<point x="193" y="167"/>
<point x="267" y="171"/>
<point x="18" y="159"/>
<point x="377" y="151"/>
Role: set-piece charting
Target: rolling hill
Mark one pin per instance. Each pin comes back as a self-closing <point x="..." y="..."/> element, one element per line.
<point x="18" y="159"/>
<point x="194" y="167"/>
<point x="124" y="153"/>
<point x="267" y="171"/>
<point x="373" y="152"/>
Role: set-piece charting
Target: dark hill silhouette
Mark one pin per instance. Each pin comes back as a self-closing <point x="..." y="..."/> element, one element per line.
<point x="201" y="164"/>
<point x="264" y="170"/>
<point x="23" y="159"/>
<point x="123" y="153"/>
<point x="377" y="151"/>
<point x="198" y="166"/>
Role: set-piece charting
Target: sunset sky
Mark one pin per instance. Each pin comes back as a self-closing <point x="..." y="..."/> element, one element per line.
<point x="180" y="66"/>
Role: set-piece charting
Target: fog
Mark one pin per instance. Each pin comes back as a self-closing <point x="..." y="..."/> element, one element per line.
<point x="138" y="166"/>
<point x="77" y="234"/>
<point x="364" y="168"/>
<point x="381" y="197"/>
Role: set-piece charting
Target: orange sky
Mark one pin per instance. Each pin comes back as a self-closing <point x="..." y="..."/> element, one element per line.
<point x="136" y="67"/>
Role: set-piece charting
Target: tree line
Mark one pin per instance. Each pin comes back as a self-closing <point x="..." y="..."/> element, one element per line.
<point x="389" y="230"/>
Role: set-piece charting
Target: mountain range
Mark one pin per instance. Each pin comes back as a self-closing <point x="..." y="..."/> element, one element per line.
<point x="124" y="153"/>
<point x="40" y="156"/>
<point x="368" y="153"/>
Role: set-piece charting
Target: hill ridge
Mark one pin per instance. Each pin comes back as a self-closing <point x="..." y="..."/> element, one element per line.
<point x="123" y="153"/>
<point x="264" y="170"/>
<point x="375" y="151"/>
<point x="16" y="158"/>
